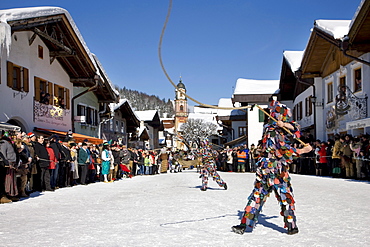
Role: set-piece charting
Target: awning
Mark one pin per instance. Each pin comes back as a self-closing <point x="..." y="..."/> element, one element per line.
<point x="236" y="141"/>
<point x="76" y="137"/>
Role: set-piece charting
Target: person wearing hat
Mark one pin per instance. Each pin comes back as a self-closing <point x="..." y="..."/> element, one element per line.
<point x="83" y="162"/>
<point x="9" y="157"/>
<point x="73" y="175"/>
<point x="43" y="161"/>
<point x="29" y="151"/>
<point x="106" y="157"/>
<point x="273" y="169"/>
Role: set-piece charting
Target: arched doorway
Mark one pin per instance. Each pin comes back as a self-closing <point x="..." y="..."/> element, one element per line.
<point x="17" y="123"/>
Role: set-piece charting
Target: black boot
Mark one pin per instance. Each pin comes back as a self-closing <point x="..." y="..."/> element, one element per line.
<point x="239" y="229"/>
<point x="292" y="231"/>
<point x="225" y="186"/>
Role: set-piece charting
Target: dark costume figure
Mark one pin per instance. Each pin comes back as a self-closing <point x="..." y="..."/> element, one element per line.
<point x="272" y="170"/>
<point x="209" y="169"/>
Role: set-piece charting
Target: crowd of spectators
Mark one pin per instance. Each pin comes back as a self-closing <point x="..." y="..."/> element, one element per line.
<point x="343" y="156"/>
<point x="33" y="163"/>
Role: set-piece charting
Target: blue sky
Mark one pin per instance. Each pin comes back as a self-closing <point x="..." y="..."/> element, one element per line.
<point x="210" y="43"/>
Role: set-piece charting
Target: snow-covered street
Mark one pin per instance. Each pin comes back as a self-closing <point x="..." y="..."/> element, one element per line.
<point x="170" y="210"/>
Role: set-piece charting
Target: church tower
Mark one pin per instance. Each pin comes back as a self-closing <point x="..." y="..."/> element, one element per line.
<point x="181" y="106"/>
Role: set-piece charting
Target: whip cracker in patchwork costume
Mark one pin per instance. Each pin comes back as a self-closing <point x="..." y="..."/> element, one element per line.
<point x="272" y="169"/>
<point x="209" y="169"/>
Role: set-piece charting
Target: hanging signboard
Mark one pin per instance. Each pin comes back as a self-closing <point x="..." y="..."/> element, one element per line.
<point x="363" y="123"/>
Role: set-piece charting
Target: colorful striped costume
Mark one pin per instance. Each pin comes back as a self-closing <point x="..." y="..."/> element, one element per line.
<point x="272" y="172"/>
<point x="209" y="169"/>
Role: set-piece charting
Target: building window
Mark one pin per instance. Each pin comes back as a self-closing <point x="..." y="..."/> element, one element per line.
<point x="342" y="81"/>
<point x="41" y="52"/>
<point x="60" y="96"/>
<point x="43" y="91"/>
<point x="122" y="127"/>
<point x="298" y="111"/>
<point x="358" y="80"/>
<point x="242" y="131"/>
<point x="17" y="77"/>
<point x="95" y="118"/>
<point x="111" y="127"/>
<point x="117" y="126"/>
<point x="81" y="110"/>
<point x="181" y="108"/>
<point x="330" y="92"/>
<point x="89" y="115"/>
<point x="308" y="106"/>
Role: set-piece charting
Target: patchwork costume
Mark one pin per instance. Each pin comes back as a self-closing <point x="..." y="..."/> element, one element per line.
<point x="272" y="172"/>
<point x="209" y="169"/>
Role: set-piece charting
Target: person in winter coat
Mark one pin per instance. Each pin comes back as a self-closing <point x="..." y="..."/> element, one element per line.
<point x="242" y="160"/>
<point x="83" y="162"/>
<point x="336" y="156"/>
<point x="73" y="175"/>
<point x="229" y="160"/>
<point x="356" y="147"/>
<point x="52" y="167"/>
<point x="147" y="163"/>
<point x="125" y="157"/>
<point x="22" y="169"/>
<point x="273" y="170"/>
<point x="322" y="159"/>
<point x="116" y="150"/>
<point x="347" y="156"/>
<point x="106" y="162"/>
<point x="7" y="169"/>
<point x="43" y="161"/>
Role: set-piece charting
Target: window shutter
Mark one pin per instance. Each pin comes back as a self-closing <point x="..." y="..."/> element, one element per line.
<point x="37" y="88"/>
<point x="66" y="100"/>
<point x="26" y="85"/>
<point x="50" y="91"/>
<point x="10" y="74"/>
<point x="261" y="116"/>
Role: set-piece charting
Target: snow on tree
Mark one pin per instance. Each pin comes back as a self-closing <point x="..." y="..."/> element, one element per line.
<point x="197" y="130"/>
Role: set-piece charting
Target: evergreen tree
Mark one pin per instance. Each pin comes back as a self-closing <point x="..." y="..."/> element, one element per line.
<point x="142" y="102"/>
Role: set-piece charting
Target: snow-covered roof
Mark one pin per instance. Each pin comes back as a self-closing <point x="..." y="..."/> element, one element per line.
<point x="146" y="115"/>
<point x="356" y="13"/>
<point x="336" y="28"/>
<point x="250" y="86"/>
<point x="100" y="66"/>
<point x="115" y="106"/>
<point x="32" y="12"/>
<point x="227" y="102"/>
<point x="294" y="59"/>
<point x="206" y="117"/>
<point x="204" y="110"/>
<point x="142" y="129"/>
